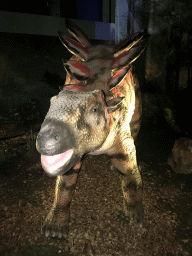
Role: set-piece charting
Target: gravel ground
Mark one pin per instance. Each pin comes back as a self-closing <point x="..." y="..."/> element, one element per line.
<point x="96" y="226"/>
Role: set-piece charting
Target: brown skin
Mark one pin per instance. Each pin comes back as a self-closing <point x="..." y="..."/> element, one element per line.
<point x="124" y="159"/>
<point x="100" y="64"/>
<point x="121" y="150"/>
<point x="57" y="222"/>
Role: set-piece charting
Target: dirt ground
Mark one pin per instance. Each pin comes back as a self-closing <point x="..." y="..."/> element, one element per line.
<point x="96" y="226"/>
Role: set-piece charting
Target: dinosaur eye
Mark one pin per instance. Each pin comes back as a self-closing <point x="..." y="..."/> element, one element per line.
<point x="94" y="110"/>
<point x="56" y="137"/>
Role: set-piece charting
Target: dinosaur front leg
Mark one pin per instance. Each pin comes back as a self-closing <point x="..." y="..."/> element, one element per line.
<point x="57" y="222"/>
<point x="124" y="159"/>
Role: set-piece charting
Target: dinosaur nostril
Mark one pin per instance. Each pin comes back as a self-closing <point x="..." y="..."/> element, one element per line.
<point x="57" y="137"/>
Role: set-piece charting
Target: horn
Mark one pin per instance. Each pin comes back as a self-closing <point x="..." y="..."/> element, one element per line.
<point x="77" y="70"/>
<point x="127" y="57"/>
<point x="129" y="43"/>
<point x="114" y="104"/>
<point x="74" y="47"/>
<point x="78" y="33"/>
<point x="117" y="78"/>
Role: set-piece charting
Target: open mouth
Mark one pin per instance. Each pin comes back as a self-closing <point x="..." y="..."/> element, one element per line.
<point x="53" y="163"/>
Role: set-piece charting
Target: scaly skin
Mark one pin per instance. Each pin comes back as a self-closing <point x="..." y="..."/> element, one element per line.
<point x="123" y="157"/>
<point x="56" y="223"/>
<point x="124" y="125"/>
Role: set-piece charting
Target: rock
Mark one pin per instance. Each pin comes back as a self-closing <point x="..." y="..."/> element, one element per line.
<point x="180" y="158"/>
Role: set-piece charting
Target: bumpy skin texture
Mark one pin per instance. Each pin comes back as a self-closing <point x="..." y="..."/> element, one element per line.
<point x="57" y="222"/>
<point x="106" y="120"/>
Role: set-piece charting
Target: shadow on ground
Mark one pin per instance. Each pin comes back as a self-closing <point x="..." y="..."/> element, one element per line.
<point x="27" y="193"/>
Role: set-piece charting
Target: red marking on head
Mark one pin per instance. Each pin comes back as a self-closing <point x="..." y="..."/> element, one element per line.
<point x="85" y="70"/>
<point x="75" y="88"/>
<point x="116" y="60"/>
<point x="77" y="44"/>
<point x="117" y="74"/>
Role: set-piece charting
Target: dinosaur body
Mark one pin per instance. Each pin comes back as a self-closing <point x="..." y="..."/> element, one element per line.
<point x="98" y="111"/>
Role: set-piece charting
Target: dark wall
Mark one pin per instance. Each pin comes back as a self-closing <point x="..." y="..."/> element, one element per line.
<point x="74" y="9"/>
<point x="30" y="68"/>
<point x="33" y="7"/>
<point x="82" y="9"/>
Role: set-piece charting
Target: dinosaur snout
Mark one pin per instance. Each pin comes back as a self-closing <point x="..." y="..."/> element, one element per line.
<point x="54" y="137"/>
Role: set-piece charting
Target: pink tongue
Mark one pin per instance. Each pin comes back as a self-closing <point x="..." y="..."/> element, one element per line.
<point x="52" y="163"/>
